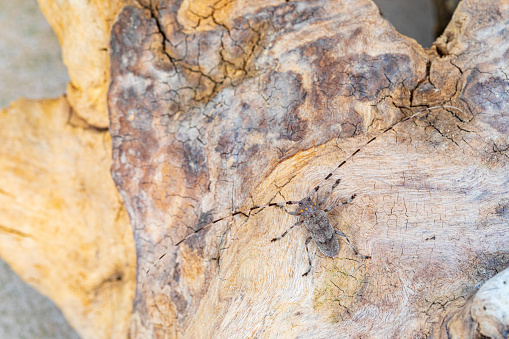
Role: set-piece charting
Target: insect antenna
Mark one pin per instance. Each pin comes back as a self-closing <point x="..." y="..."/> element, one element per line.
<point x="245" y="212"/>
<point x="282" y="204"/>
<point x="317" y="187"/>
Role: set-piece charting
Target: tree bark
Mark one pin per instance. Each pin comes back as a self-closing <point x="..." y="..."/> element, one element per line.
<point x="219" y="106"/>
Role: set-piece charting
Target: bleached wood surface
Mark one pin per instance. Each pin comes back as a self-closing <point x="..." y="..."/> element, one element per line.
<point x="216" y="106"/>
<point x="220" y="106"/>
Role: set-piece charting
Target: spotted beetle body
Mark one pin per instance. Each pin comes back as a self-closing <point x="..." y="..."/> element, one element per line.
<point x="322" y="233"/>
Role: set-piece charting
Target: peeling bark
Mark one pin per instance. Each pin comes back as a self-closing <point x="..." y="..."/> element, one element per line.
<point x="218" y="106"/>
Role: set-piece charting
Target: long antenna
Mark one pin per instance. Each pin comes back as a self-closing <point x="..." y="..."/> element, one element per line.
<point x="317" y="187"/>
<point x="246" y="211"/>
<point x="293" y="202"/>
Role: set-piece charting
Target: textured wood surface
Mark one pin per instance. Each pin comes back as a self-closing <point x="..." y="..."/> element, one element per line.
<point x="63" y="227"/>
<point x="218" y="106"/>
<point x="486" y="315"/>
<point x="83" y="29"/>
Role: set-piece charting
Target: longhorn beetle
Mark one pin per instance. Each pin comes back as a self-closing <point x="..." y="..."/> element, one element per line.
<point x="311" y="214"/>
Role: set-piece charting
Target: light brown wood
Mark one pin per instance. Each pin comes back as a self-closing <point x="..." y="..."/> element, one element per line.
<point x="218" y="106"/>
<point x="484" y="315"/>
<point x="63" y="227"/>
<point x="83" y="29"/>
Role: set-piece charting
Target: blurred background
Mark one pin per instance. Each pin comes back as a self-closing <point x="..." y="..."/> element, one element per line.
<point x="31" y="67"/>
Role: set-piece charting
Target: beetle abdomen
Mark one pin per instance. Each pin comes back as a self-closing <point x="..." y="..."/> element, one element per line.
<point x="323" y="234"/>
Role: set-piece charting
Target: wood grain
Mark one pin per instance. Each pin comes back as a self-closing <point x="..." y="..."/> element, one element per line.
<point x="218" y="106"/>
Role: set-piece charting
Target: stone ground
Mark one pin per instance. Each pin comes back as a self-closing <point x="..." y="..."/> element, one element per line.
<point x="31" y="67"/>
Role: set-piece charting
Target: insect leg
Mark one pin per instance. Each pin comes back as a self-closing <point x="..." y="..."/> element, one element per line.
<point x="288" y="230"/>
<point x="309" y="257"/>
<point x="336" y="183"/>
<point x="287" y="211"/>
<point x="339" y="204"/>
<point x="341" y="234"/>
<point x="244" y="212"/>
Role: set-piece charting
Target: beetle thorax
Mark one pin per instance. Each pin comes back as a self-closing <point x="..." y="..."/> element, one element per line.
<point x="307" y="208"/>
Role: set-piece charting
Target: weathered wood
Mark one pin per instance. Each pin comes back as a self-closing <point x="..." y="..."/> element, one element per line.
<point x="63" y="227"/>
<point x="483" y="316"/>
<point x="83" y="29"/>
<point x="217" y="106"/>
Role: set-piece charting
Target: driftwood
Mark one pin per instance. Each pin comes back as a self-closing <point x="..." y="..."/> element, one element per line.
<point x="219" y="106"/>
<point x="483" y="316"/>
<point x="63" y="227"/>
